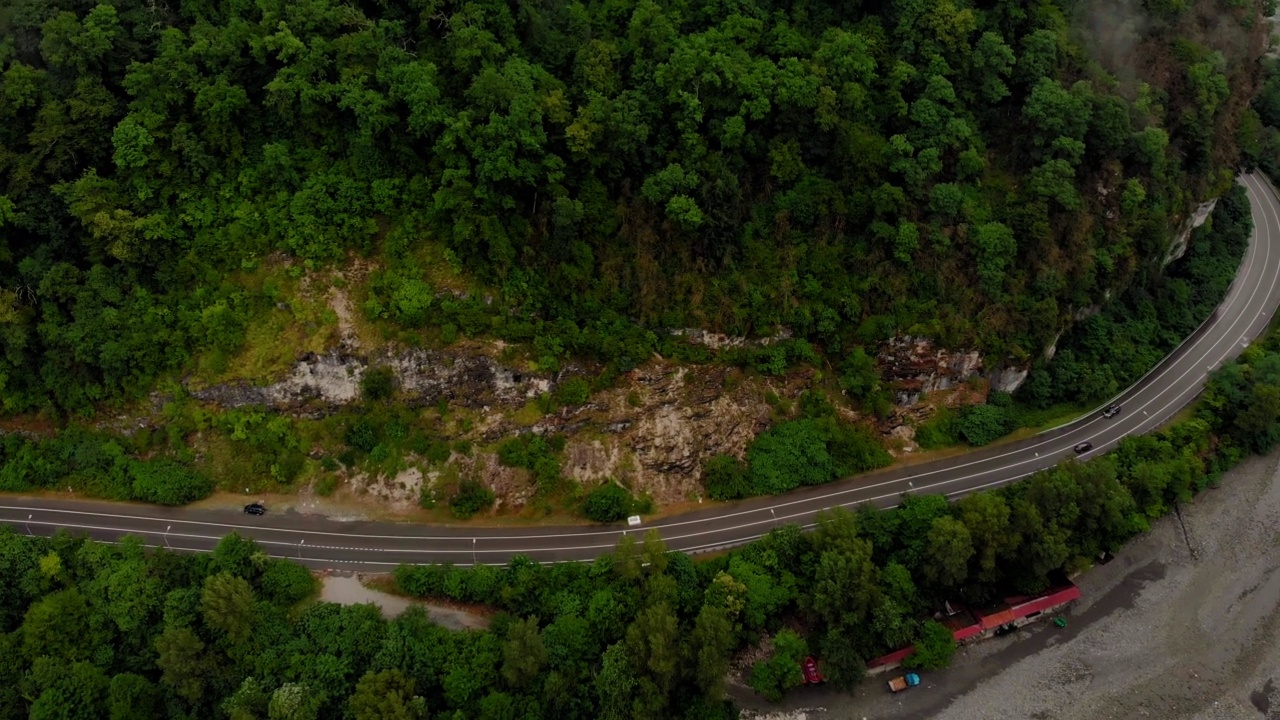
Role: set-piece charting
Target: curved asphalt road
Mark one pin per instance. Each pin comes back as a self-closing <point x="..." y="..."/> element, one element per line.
<point x="320" y="542"/>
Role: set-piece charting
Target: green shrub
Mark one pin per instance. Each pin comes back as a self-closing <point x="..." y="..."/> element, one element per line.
<point x="574" y="391"/>
<point x="808" y="452"/>
<point x="608" y="503"/>
<point x="327" y="485"/>
<point x="535" y="454"/>
<point x="363" y="434"/>
<point x="449" y="334"/>
<point x="1000" y="398"/>
<point x="286" y="583"/>
<point x="436" y="451"/>
<point x="934" y="650"/>
<point x="788" y="455"/>
<point x="471" y="498"/>
<point x="853" y="448"/>
<point x="858" y="375"/>
<point x="781" y="672"/>
<point x="982" y="424"/>
<point x="377" y="383"/>
<point x="522" y="451"/>
<point x="725" y="478"/>
<point x="427" y="497"/>
<point x="165" y="482"/>
<point x="938" y="432"/>
<point x="288" y="466"/>
<point x="815" y="405"/>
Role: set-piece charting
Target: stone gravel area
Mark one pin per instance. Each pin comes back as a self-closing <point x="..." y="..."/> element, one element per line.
<point x="1181" y="625"/>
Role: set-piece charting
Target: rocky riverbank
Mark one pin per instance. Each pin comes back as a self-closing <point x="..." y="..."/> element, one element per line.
<point x="1183" y="625"/>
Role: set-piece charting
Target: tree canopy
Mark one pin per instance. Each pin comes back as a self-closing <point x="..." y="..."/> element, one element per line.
<point x="957" y="169"/>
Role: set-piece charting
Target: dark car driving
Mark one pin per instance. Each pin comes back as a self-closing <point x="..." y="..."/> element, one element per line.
<point x="255" y="509"/>
<point x="1111" y="411"/>
<point x="1083" y="447"/>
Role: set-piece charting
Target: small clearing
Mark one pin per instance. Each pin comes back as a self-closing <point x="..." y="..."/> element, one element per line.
<point x="347" y="589"/>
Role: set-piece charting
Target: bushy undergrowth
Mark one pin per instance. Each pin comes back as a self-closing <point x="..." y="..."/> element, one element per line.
<point x="96" y="465"/>
<point x="815" y="448"/>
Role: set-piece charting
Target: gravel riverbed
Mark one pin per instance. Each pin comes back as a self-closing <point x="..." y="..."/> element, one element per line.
<point x="1183" y="624"/>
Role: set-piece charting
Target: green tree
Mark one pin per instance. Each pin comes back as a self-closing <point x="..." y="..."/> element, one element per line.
<point x="74" y="690"/>
<point x="609" y="502"/>
<point x="781" y="672"/>
<point x="386" y="695"/>
<point x="842" y="665"/>
<point x="709" y="648"/>
<point x="652" y="648"/>
<point x="523" y="653"/>
<point x="935" y="648"/>
<point x="293" y="701"/>
<point x="286" y="583"/>
<point x="844" y="586"/>
<point x="997" y="250"/>
<point x="616" y="684"/>
<point x="132" y="697"/>
<point x="182" y="662"/>
<point x="249" y="701"/>
<point x="226" y="602"/>
<point x="946" y="561"/>
<point x="58" y="626"/>
<point x="986" y="516"/>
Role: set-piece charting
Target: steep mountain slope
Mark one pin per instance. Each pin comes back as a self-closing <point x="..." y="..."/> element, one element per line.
<point x="975" y="172"/>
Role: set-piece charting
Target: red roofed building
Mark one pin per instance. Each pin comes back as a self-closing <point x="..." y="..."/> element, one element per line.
<point x="968" y="626"/>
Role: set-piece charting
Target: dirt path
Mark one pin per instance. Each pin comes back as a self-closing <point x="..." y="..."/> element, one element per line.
<point x="1178" y="626"/>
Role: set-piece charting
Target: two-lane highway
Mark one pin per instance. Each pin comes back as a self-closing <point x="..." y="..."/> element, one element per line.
<point x="320" y="542"/>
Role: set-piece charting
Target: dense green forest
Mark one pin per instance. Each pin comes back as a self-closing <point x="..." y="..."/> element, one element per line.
<point x="102" y="632"/>
<point x="971" y="171"/>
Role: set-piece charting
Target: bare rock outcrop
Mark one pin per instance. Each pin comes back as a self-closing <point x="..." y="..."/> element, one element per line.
<point x="1178" y="247"/>
<point x="324" y="383"/>
<point x="914" y="366"/>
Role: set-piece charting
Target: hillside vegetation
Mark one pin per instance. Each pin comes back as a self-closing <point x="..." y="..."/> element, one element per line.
<point x="972" y="171"/>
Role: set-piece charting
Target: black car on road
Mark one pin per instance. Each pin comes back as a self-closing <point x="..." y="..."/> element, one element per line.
<point x="255" y="509"/>
<point x="1083" y="447"/>
<point x="1111" y="411"/>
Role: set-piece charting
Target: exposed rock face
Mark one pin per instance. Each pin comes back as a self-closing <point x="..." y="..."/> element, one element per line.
<point x="1008" y="379"/>
<point x="675" y="419"/>
<point x="1052" y="348"/>
<point x="653" y="432"/>
<point x="1178" y="247"/>
<point x="720" y="341"/>
<point x="327" y="382"/>
<point x="914" y="366"/>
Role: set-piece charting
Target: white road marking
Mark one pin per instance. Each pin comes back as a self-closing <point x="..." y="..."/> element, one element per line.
<point x="1241" y="277"/>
